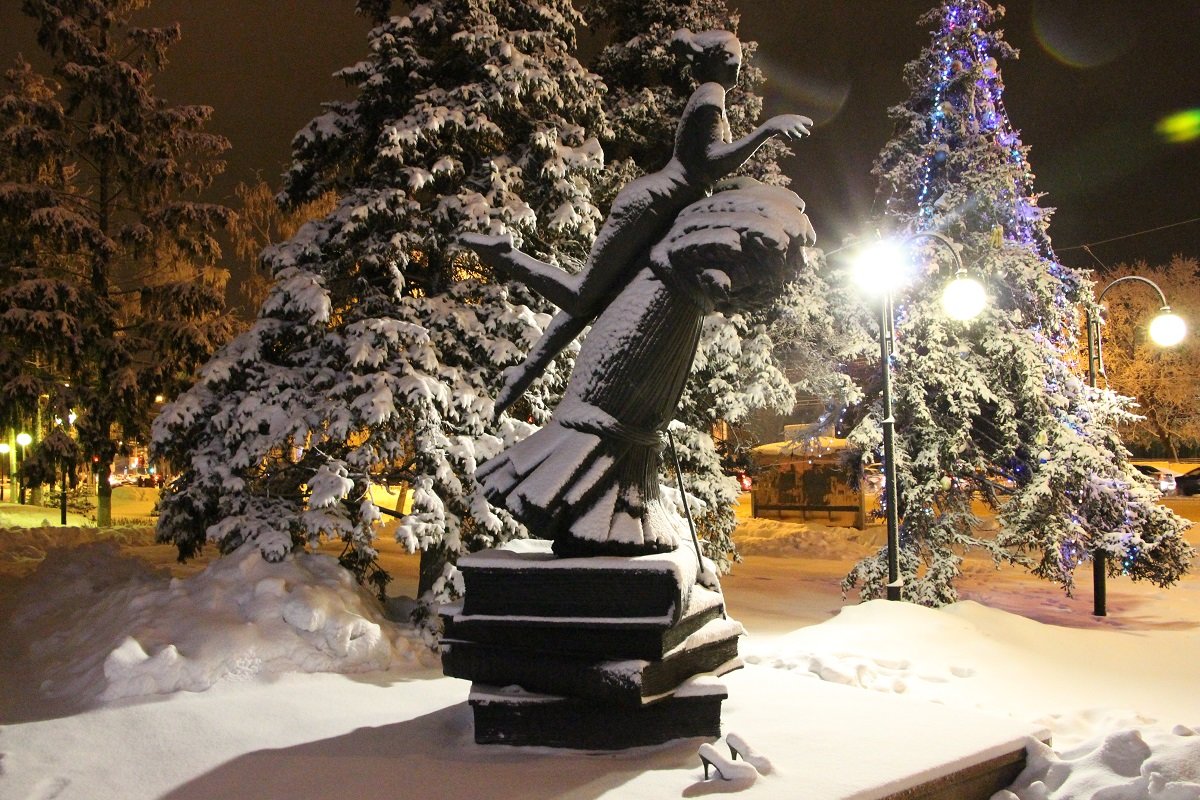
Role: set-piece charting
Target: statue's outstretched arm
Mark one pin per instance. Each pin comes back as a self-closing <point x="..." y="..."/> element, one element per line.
<point x="551" y="282"/>
<point x="725" y="158"/>
<point x="558" y="334"/>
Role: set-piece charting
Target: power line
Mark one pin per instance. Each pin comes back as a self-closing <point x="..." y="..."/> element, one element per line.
<point x="1128" y="235"/>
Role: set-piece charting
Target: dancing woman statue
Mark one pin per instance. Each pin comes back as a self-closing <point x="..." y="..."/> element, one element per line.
<point x="704" y="152"/>
<point x="669" y="254"/>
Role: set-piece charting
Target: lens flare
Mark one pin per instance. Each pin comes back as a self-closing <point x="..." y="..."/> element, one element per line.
<point x="1182" y="126"/>
<point x="820" y="98"/>
<point x="1082" y="33"/>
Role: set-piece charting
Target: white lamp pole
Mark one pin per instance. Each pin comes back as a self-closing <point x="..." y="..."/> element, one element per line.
<point x="880" y="268"/>
<point x="1166" y="330"/>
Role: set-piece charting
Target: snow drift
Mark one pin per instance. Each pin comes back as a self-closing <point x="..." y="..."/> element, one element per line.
<point x="101" y="626"/>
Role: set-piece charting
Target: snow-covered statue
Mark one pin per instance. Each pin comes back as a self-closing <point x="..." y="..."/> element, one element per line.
<point x="675" y="247"/>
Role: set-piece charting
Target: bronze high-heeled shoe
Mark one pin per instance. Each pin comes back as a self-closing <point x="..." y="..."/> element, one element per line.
<point x="711" y="757"/>
<point x="740" y="748"/>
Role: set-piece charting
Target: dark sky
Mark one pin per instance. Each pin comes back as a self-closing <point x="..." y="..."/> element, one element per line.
<point x="1093" y="80"/>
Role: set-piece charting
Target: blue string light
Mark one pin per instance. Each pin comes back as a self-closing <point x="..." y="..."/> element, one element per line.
<point x="964" y="46"/>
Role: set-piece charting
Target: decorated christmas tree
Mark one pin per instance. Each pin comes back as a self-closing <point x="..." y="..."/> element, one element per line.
<point x="377" y="353"/>
<point x="995" y="410"/>
<point x="746" y="362"/>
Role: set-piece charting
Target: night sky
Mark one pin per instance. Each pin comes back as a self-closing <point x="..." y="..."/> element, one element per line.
<point x="1094" y="79"/>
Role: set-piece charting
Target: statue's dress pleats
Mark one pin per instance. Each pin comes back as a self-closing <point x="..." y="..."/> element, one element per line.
<point x="568" y="483"/>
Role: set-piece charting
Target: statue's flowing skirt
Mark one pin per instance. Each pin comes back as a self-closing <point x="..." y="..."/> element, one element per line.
<point x="589" y="478"/>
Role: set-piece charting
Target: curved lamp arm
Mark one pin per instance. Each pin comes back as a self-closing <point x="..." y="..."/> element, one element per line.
<point x="1095" y="345"/>
<point x="944" y="239"/>
<point x="1138" y="278"/>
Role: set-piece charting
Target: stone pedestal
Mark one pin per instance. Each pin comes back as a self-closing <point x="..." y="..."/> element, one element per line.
<point x="588" y="653"/>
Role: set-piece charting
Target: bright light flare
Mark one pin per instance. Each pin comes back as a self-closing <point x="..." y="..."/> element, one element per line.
<point x="963" y="298"/>
<point x="24" y="439"/>
<point x="1180" y="127"/>
<point x="881" y="267"/>
<point x="1167" y="329"/>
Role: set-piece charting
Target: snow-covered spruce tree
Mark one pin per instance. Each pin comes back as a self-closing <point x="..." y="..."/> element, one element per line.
<point x="379" y="349"/>
<point x="738" y="367"/>
<point x="98" y="180"/>
<point x="996" y="408"/>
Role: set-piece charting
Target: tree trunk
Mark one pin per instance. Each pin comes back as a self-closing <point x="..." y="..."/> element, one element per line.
<point x="35" y="491"/>
<point x="103" y="496"/>
<point x="1164" y="435"/>
<point x="433" y="561"/>
<point x="63" y="499"/>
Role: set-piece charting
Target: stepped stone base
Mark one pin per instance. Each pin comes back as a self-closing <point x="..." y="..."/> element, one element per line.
<point x="525" y="578"/>
<point x="598" y="653"/>
<point x="515" y="717"/>
<point x="628" y="682"/>
<point x="650" y="638"/>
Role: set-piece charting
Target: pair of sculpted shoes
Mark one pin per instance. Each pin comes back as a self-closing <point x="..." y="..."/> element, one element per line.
<point x="752" y="765"/>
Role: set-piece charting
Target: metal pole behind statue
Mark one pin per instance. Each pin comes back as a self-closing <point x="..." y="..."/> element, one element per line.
<point x="687" y="511"/>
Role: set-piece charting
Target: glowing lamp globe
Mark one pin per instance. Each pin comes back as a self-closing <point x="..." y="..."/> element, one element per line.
<point x="24" y="439"/>
<point x="881" y="267"/>
<point x="1167" y="329"/>
<point x="963" y="298"/>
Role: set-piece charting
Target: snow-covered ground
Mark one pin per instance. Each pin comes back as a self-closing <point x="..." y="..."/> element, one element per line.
<point x="244" y="679"/>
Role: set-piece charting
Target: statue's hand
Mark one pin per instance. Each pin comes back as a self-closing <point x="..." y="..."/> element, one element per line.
<point x="793" y="126"/>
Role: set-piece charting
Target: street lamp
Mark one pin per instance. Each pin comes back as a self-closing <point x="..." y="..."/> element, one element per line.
<point x="1166" y="330"/>
<point x="880" y="268"/>
<point x="23" y="441"/>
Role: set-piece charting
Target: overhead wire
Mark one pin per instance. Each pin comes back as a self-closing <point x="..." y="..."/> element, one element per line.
<point x="1127" y="236"/>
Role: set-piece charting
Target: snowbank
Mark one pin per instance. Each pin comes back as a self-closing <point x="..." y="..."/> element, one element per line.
<point x="14" y="515"/>
<point x="1127" y="765"/>
<point x="95" y="625"/>
<point x="1079" y="684"/>
<point x="22" y="548"/>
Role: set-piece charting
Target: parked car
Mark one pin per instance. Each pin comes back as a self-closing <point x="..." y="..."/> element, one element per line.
<point x="1165" y="478"/>
<point x="1188" y="483"/>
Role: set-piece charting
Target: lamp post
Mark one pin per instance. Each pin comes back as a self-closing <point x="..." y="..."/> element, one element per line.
<point x="23" y="440"/>
<point x="4" y="471"/>
<point x="1166" y="330"/>
<point x="880" y="268"/>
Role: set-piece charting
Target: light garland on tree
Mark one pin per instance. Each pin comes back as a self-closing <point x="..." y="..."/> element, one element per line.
<point x="962" y="22"/>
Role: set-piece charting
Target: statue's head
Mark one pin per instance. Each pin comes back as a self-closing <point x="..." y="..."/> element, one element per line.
<point x="715" y="56"/>
<point x="739" y="247"/>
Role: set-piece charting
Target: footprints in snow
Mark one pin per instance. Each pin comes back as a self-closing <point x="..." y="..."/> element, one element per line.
<point x="865" y="672"/>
